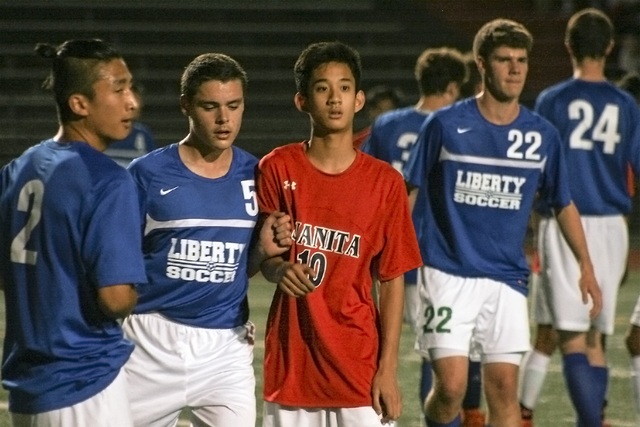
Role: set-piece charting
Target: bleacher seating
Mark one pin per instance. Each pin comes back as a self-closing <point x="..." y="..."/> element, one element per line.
<point x="158" y="38"/>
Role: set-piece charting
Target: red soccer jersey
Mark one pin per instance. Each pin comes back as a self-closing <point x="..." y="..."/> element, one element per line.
<point x="321" y="350"/>
<point x="360" y="137"/>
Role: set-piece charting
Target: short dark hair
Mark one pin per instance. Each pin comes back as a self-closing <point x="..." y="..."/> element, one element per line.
<point x="74" y="69"/>
<point x="381" y="92"/>
<point x="211" y="66"/>
<point x="589" y="33"/>
<point x="437" y="67"/>
<point x="468" y="88"/>
<point x="318" y="54"/>
<point x="501" y="32"/>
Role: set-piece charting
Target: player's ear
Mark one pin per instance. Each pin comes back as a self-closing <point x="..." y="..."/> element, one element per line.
<point x="300" y="101"/>
<point x="184" y="105"/>
<point x="609" y="48"/>
<point x="569" y="51"/>
<point x="453" y="90"/>
<point x="480" y="64"/>
<point x="360" y="100"/>
<point x="78" y="104"/>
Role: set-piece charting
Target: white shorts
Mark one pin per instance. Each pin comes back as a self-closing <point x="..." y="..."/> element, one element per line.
<point x="462" y="316"/>
<point x="411" y="305"/>
<point x="175" y="366"/>
<point x="635" y="317"/>
<point x="541" y="310"/>
<point x="275" y="415"/>
<point x="608" y="244"/>
<point x="109" y="408"/>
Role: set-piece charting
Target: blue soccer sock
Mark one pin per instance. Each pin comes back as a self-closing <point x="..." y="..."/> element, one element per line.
<point x="581" y="383"/>
<point x="426" y="380"/>
<point x="601" y="375"/>
<point x="457" y="422"/>
<point x="474" y="386"/>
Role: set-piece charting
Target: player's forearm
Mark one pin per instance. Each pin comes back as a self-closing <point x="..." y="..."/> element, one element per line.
<point x="271" y="268"/>
<point x="257" y="256"/>
<point x="571" y="227"/>
<point x="391" y="306"/>
<point x="117" y="301"/>
<point x="413" y="195"/>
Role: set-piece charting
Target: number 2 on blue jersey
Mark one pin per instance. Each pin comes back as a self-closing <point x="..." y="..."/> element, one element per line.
<point x="19" y="252"/>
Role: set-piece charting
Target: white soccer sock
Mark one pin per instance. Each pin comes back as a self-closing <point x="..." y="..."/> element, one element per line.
<point x="635" y="378"/>
<point x="535" y="371"/>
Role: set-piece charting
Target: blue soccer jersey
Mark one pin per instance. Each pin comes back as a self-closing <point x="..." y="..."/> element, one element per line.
<point x="69" y="226"/>
<point x="393" y="134"/>
<point x="478" y="182"/>
<point x="600" y="127"/>
<point x="139" y="142"/>
<point x="196" y="238"/>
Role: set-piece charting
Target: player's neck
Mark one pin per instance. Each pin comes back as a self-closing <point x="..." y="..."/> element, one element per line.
<point x="209" y="163"/>
<point x="332" y="153"/>
<point x="433" y="102"/>
<point x="496" y="111"/>
<point x="74" y="131"/>
<point x="591" y="70"/>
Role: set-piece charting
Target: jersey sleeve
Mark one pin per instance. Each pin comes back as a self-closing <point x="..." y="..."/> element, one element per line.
<point x="416" y="169"/>
<point x="554" y="186"/>
<point x="634" y="144"/>
<point x="113" y="243"/>
<point x="400" y="253"/>
<point x="370" y="145"/>
<point x="267" y="186"/>
<point x="141" y="184"/>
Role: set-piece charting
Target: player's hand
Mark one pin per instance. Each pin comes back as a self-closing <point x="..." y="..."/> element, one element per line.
<point x="295" y="279"/>
<point x="387" y="399"/>
<point x="275" y="234"/>
<point x="589" y="288"/>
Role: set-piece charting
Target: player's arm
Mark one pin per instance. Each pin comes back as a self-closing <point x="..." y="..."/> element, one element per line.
<point x="117" y="301"/>
<point x="272" y="237"/>
<point x="571" y="227"/>
<point x="292" y="278"/>
<point x="386" y="390"/>
<point x="412" y="192"/>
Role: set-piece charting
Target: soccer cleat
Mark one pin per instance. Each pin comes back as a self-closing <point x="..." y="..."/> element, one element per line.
<point x="527" y="423"/>
<point x="526" y="415"/>
<point x="604" y="406"/>
<point x="473" y="418"/>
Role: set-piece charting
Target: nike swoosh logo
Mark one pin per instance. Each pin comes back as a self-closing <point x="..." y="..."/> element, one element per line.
<point x="463" y="130"/>
<point x="164" y="192"/>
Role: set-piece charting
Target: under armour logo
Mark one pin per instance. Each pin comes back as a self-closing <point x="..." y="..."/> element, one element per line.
<point x="289" y="185"/>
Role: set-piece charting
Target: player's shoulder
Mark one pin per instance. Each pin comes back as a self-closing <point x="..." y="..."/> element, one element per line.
<point x="243" y="155"/>
<point x="378" y="167"/>
<point x="463" y="109"/>
<point x="557" y="88"/>
<point x="97" y="164"/>
<point x="243" y="163"/>
<point x="531" y="117"/>
<point x="393" y="116"/>
<point x="462" y="114"/>
<point x="155" y="159"/>
<point x="283" y="153"/>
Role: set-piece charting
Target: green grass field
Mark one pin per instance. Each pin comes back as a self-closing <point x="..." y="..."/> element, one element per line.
<point x="554" y="408"/>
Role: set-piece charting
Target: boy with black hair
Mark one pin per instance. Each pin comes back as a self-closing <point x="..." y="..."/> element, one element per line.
<point x="331" y="357"/>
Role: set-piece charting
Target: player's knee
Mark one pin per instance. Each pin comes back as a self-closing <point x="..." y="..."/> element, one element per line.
<point x="449" y="392"/>
<point x="546" y="339"/>
<point x="632" y="341"/>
